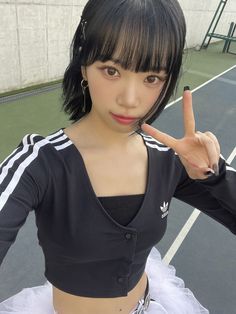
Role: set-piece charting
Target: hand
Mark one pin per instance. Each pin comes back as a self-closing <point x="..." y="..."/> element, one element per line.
<point x="199" y="152"/>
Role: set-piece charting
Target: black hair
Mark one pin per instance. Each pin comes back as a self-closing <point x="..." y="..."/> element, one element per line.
<point x="144" y="35"/>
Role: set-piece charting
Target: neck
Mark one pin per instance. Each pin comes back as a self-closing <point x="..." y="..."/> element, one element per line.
<point x="103" y="135"/>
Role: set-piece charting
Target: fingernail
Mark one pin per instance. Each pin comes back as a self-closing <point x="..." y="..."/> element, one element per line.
<point x="186" y="88"/>
<point x="216" y="169"/>
<point x="210" y="173"/>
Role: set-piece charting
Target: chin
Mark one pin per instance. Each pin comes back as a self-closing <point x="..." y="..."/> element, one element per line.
<point x="125" y="129"/>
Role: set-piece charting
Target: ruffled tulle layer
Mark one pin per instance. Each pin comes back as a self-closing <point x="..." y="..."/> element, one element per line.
<point x="168" y="291"/>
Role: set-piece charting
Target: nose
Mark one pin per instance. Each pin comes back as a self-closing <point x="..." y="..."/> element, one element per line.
<point x="128" y="95"/>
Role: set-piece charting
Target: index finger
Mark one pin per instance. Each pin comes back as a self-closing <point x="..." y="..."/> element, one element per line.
<point x="159" y="136"/>
<point x="188" y="114"/>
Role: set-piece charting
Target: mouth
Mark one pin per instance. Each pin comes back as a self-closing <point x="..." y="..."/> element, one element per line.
<point x="125" y="120"/>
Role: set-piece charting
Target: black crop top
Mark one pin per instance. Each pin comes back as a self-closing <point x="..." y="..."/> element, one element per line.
<point x="87" y="251"/>
<point x="122" y="208"/>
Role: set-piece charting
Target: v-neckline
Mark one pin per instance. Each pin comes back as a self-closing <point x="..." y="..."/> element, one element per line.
<point x="96" y="198"/>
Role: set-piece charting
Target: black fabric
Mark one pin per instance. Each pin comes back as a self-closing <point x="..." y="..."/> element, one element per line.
<point x="88" y="252"/>
<point x="122" y="208"/>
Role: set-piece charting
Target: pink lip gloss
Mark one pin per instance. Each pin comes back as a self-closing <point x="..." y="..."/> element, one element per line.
<point x="123" y="120"/>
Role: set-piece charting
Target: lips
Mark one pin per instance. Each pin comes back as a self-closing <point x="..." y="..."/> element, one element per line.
<point x="124" y="119"/>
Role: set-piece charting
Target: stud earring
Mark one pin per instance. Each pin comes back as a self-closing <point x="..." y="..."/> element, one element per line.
<point x="84" y="86"/>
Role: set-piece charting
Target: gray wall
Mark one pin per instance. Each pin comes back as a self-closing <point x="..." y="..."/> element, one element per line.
<point x="35" y="36"/>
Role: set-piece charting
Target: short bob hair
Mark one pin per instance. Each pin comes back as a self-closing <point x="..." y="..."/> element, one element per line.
<point x="147" y="35"/>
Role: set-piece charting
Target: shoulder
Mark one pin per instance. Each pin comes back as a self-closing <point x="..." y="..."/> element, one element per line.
<point x="33" y="146"/>
<point x="34" y="161"/>
<point x="57" y="141"/>
<point x="36" y="151"/>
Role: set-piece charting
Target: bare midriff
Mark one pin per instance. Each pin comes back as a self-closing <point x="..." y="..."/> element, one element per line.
<point x="65" y="303"/>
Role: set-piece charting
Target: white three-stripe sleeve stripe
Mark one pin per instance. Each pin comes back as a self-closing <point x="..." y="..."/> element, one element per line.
<point x="152" y="139"/>
<point x="162" y="149"/>
<point x="16" y="157"/>
<point x="24" y="141"/>
<point x="20" y="170"/>
<point x="49" y="137"/>
<point x="153" y="143"/>
<point x="62" y="146"/>
<point x="61" y="138"/>
<point x="24" y="149"/>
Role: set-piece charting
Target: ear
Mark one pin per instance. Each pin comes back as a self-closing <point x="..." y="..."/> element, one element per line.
<point x="83" y="71"/>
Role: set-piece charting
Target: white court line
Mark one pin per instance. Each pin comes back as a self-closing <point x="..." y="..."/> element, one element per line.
<point x="221" y="79"/>
<point x="188" y="225"/>
<point x="200" y="86"/>
<point x="232" y="155"/>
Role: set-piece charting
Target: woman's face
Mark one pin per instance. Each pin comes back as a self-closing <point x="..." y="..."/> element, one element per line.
<point x="121" y="97"/>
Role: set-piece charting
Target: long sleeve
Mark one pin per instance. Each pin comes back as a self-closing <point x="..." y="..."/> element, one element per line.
<point x="215" y="196"/>
<point x="20" y="189"/>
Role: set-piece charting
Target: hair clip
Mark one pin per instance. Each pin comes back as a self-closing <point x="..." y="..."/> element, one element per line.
<point x="83" y="23"/>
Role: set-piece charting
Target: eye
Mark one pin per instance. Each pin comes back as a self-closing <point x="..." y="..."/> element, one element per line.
<point x="152" y="79"/>
<point x="110" y="71"/>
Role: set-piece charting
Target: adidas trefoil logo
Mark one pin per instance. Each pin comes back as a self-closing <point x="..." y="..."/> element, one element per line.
<point x="164" y="209"/>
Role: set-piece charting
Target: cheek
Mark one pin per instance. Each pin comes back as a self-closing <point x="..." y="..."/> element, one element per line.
<point x="152" y="96"/>
<point x="101" y="92"/>
<point x="96" y="90"/>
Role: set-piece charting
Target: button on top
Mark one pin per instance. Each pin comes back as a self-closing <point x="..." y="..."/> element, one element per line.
<point x="128" y="236"/>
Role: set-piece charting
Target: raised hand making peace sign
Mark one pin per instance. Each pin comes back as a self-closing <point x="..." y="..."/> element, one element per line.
<point x="199" y="152"/>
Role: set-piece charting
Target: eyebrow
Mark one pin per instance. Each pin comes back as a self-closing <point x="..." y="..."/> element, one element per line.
<point x="116" y="61"/>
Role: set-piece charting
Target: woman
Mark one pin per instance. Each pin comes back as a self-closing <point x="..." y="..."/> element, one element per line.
<point x="101" y="188"/>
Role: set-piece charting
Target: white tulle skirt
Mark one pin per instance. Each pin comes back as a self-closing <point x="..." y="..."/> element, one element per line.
<point x="168" y="291"/>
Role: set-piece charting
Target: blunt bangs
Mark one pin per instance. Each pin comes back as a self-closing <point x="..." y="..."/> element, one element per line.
<point x="131" y="33"/>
